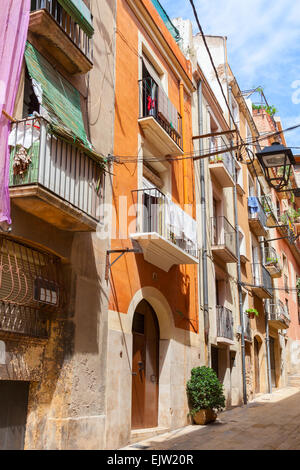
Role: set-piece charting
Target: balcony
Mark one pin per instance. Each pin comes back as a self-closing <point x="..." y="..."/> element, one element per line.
<point x="221" y="167"/>
<point x="223" y="239"/>
<point x="270" y="210"/>
<point x="278" y="314"/>
<point x="66" y="38"/>
<point x="30" y="289"/>
<point x="272" y="263"/>
<point x="159" y="119"/>
<point x="53" y="179"/>
<point x="257" y="217"/>
<point x="261" y="281"/>
<point x="165" y="233"/>
<point x="224" y="325"/>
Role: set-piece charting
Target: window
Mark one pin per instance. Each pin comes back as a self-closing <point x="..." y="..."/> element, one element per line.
<point x="285" y="273"/>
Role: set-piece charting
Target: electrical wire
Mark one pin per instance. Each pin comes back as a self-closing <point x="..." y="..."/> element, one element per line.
<point x="195" y="153"/>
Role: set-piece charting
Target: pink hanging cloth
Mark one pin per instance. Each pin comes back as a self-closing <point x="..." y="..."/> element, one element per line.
<point x="14" y="19"/>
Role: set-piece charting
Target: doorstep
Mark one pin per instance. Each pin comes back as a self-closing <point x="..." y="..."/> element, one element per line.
<point x="142" y="434"/>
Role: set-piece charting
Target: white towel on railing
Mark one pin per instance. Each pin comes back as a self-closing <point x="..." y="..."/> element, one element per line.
<point x="24" y="133"/>
<point x="167" y="110"/>
<point x="181" y="224"/>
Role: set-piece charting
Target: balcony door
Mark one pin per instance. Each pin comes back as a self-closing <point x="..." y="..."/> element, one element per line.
<point x="145" y="371"/>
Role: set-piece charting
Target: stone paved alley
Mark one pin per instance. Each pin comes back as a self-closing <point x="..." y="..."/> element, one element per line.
<point x="268" y="423"/>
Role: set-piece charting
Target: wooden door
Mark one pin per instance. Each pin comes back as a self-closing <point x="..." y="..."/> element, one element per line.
<point x="145" y="333"/>
<point x="13" y="414"/>
<point x="256" y="366"/>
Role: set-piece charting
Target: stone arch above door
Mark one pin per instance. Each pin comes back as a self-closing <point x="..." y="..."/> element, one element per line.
<point x="160" y="306"/>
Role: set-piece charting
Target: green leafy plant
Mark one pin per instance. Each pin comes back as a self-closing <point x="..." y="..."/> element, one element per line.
<point x="204" y="390"/>
<point x="291" y="214"/>
<point x="253" y="311"/>
<point x="272" y="260"/>
<point x="271" y="110"/>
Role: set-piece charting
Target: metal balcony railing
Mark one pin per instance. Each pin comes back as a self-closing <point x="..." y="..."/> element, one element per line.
<point x="67" y="24"/>
<point x="157" y="214"/>
<point x="224" y="323"/>
<point x="224" y="158"/>
<point x="271" y="258"/>
<point x="56" y="165"/>
<point x="269" y="207"/>
<point x="277" y="311"/>
<point x="155" y="102"/>
<point x="257" y="211"/>
<point x="223" y="233"/>
<point x="261" y="277"/>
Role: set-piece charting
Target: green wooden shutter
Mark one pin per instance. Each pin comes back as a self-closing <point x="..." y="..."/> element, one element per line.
<point x="60" y="98"/>
<point x="80" y="13"/>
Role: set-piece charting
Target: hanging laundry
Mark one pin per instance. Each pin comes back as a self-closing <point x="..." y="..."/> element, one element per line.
<point x="253" y="205"/>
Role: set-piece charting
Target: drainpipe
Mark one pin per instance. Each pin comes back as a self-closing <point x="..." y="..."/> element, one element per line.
<point x="184" y="161"/>
<point x="203" y="226"/>
<point x="239" y="276"/>
<point x="268" y="353"/>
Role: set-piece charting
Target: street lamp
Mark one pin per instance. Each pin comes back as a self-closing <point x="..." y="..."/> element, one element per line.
<point x="276" y="161"/>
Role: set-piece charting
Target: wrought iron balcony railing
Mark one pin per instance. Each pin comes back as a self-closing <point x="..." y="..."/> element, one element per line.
<point x="278" y="312"/>
<point x="224" y="323"/>
<point x="159" y="215"/>
<point x="226" y="159"/>
<point x="39" y="157"/>
<point x="269" y="208"/>
<point x="261" y="278"/>
<point x="256" y="210"/>
<point x="223" y="234"/>
<point x="67" y="24"/>
<point x="272" y="262"/>
<point x="155" y="103"/>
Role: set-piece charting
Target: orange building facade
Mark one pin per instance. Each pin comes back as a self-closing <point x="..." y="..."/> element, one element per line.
<point x="153" y="310"/>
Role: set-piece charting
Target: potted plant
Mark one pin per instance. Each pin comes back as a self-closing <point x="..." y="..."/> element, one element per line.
<point x="205" y="395"/>
<point x="252" y="312"/>
<point x="271" y="261"/>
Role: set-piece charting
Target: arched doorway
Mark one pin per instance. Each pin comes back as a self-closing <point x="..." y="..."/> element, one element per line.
<point x="145" y="367"/>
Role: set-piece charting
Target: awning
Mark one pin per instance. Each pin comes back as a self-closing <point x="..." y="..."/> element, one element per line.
<point x="60" y="99"/>
<point x="80" y="13"/>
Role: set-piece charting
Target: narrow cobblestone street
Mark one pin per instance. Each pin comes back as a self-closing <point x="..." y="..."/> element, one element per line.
<point x="268" y="423"/>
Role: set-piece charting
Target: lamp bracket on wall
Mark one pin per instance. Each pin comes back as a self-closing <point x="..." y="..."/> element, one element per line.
<point x="121" y="252"/>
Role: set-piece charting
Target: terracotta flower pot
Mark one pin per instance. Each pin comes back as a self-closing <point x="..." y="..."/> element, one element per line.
<point x="251" y="315"/>
<point x="204" y="417"/>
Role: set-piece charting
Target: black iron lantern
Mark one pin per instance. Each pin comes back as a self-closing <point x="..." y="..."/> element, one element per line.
<point x="276" y="161"/>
